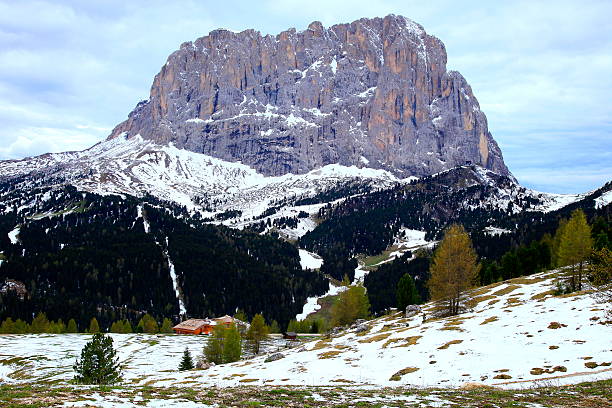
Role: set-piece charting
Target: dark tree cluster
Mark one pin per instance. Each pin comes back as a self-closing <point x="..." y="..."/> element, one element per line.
<point x="81" y="255"/>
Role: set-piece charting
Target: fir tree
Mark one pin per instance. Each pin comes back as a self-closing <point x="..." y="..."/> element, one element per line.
<point x="186" y="362"/>
<point x="257" y="332"/>
<point x="407" y="293"/>
<point x="98" y="363"/>
<point x="453" y="270"/>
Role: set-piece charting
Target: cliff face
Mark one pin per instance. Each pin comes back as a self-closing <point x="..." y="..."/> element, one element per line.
<point x="371" y="93"/>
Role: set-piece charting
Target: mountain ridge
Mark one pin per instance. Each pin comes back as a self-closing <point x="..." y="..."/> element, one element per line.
<point x="371" y="93"/>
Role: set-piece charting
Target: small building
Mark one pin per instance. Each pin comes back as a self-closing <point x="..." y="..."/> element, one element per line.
<point x="195" y="326"/>
<point x="290" y="336"/>
<point x="226" y="320"/>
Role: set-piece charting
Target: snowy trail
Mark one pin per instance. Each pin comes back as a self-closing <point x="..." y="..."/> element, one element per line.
<point x="172" y="270"/>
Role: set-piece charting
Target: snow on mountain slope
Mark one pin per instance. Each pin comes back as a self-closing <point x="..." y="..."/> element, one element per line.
<point x="237" y="195"/>
<point x="516" y="336"/>
<point x="137" y="167"/>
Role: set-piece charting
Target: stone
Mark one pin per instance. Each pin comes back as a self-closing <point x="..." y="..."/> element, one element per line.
<point x="412" y="310"/>
<point x="371" y="93"/>
<point x="274" y="357"/>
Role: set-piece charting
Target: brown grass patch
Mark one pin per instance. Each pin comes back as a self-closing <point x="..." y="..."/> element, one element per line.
<point x="556" y="325"/>
<point x="378" y="337"/>
<point x="342" y="380"/>
<point x="391" y="341"/>
<point x="410" y="341"/>
<point x="455" y="328"/>
<point x="543" y="295"/>
<point x="502" y="377"/>
<point x="398" y="376"/>
<point x="248" y="380"/>
<point x="447" y="345"/>
<point x="328" y="354"/>
<point x="526" y="281"/>
<point x="474" y="386"/>
<point x="513" y="301"/>
<point x="494" y="301"/>
<point x="322" y="344"/>
<point x="506" y="290"/>
<point x="489" y="320"/>
<point x="475" y="301"/>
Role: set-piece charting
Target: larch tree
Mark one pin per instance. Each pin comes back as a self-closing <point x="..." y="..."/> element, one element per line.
<point x="213" y="350"/>
<point x="352" y="304"/>
<point x="94" y="327"/>
<point x="232" y="348"/>
<point x="454" y="269"/>
<point x="575" y="247"/>
<point x="600" y="278"/>
<point x="257" y="332"/>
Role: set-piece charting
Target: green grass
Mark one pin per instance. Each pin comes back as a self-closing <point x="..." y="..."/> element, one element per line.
<point x="588" y="395"/>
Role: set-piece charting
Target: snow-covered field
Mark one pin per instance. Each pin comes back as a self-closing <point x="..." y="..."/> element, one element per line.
<point x="517" y="335"/>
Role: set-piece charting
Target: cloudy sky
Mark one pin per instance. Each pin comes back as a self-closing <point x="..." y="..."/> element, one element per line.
<point x="542" y="70"/>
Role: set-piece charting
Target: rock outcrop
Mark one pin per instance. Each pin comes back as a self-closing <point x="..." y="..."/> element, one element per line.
<point x="372" y="93"/>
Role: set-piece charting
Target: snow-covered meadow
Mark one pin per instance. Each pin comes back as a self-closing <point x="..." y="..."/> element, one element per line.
<point x="517" y="335"/>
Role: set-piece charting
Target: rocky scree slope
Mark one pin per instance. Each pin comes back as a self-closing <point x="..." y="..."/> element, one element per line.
<point x="373" y="93"/>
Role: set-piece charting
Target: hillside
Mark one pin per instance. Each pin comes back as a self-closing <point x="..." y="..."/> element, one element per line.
<point x="518" y="335"/>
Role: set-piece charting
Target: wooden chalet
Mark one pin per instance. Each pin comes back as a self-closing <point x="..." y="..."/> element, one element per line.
<point x="202" y="326"/>
<point x="226" y="320"/>
<point x="195" y="326"/>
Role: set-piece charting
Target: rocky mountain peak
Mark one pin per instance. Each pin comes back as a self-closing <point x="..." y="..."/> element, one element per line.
<point x="371" y="93"/>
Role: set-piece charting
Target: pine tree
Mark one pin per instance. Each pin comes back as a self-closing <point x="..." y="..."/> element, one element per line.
<point x="406" y="293"/>
<point x="232" y="347"/>
<point x="72" y="326"/>
<point x="454" y="269"/>
<point x="257" y="332"/>
<point x="186" y="362"/>
<point x="94" y="327"/>
<point x="575" y="247"/>
<point x="99" y="363"/>
<point x="166" y="326"/>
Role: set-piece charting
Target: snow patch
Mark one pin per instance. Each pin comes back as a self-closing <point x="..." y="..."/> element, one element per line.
<point x="309" y="260"/>
<point x="603" y="200"/>
<point x="13" y="236"/>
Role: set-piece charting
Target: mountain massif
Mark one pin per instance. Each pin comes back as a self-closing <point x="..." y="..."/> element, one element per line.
<point x="250" y="150"/>
<point x="373" y="93"/>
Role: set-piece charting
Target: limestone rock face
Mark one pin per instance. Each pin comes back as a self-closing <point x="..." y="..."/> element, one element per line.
<point x="372" y="93"/>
